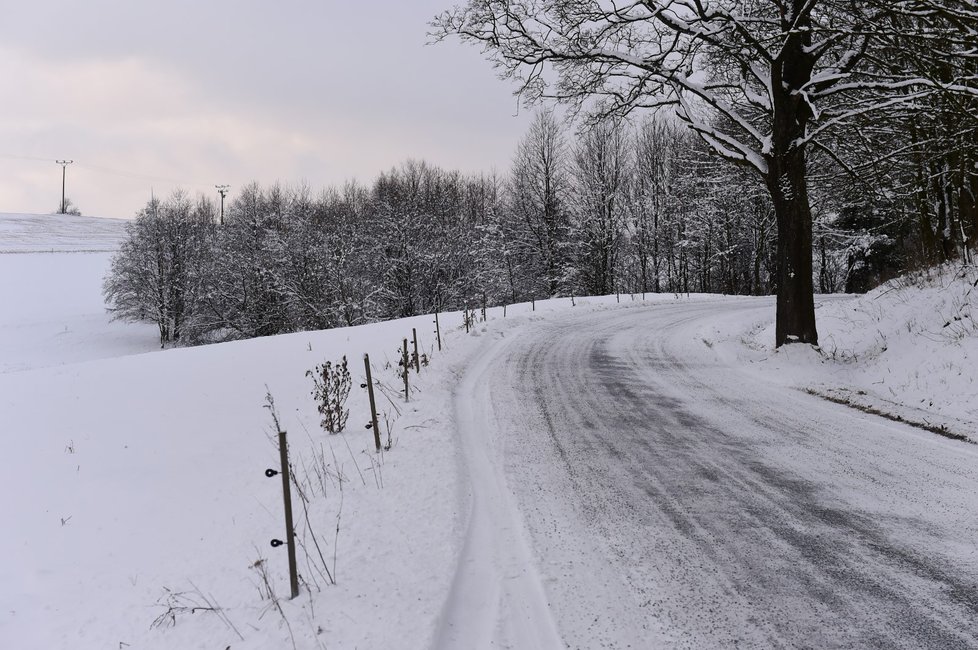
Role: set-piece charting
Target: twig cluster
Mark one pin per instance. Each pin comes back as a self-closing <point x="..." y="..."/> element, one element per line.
<point x="178" y="603"/>
<point x="331" y="388"/>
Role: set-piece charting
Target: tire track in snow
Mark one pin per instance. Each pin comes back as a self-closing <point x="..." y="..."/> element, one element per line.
<point x="497" y="598"/>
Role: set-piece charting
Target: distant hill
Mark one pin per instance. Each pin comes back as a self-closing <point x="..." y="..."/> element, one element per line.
<point x="56" y="233"/>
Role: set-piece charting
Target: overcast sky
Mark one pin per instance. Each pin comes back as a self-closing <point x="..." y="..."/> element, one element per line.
<point x="193" y="93"/>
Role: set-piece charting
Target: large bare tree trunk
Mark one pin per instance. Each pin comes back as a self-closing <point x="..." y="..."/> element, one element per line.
<point x="795" y="320"/>
<point x="787" y="179"/>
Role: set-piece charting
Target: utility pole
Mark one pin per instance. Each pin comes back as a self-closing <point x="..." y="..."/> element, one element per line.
<point x="223" y="191"/>
<point x="64" y="165"/>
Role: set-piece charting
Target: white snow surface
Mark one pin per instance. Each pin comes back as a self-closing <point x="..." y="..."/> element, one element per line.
<point x="908" y="348"/>
<point x="134" y="482"/>
<point x="674" y="500"/>
<point x="50" y="233"/>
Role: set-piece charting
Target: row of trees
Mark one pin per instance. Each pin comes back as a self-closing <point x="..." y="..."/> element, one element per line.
<point x="634" y="209"/>
<point x="623" y="207"/>
<point x="285" y="260"/>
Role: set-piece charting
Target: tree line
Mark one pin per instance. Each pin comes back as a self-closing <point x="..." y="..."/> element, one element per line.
<point x="623" y="206"/>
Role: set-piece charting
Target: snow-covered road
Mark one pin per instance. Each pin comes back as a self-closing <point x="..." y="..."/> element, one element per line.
<point x="630" y="488"/>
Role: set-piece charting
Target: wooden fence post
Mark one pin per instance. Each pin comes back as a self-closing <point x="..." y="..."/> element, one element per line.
<point x="283" y="448"/>
<point x="417" y="357"/>
<point x="407" y="366"/>
<point x="373" y="404"/>
<point x="438" y="331"/>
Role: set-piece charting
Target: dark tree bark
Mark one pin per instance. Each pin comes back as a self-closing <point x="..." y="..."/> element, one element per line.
<point x="787" y="179"/>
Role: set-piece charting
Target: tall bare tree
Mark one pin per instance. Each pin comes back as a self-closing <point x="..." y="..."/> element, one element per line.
<point x="601" y="166"/>
<point x="157" y="275"/>
<point x="539" y="184"/>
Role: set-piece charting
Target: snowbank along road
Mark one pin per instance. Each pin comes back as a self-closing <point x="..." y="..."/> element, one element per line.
<point x="631" y="489"/>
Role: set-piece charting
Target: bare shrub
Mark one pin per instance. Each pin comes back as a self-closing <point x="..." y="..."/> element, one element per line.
<point x="331" y="388"/>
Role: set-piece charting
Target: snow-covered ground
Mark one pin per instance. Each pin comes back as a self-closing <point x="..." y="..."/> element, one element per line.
<point x="53" y="313"/>
<point x="136" y="481"/>
<point x="672" y="500"/>
<point x="140" y="487"/>
<point x="51" y="309"/>
<point x="137" y="514"/>
<point x="48" y="233"/>
<point x="142" y="481"/>
<point x="908" y="349"/>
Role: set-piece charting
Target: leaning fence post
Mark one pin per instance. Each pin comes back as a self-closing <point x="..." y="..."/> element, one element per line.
<point x="406" y="365"/>
<point x="283" y="448"/>
<point x="373" y="405"/>
<point x="465" y="318"/>
<point x="417" y="358"/>
<point x="438" y="331"/>
<point x="483" y="307"/>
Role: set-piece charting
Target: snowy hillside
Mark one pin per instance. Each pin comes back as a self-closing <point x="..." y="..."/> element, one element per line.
<point x="40" y="233"/>
<point x="143" y="515"/>
<point x="51" y="292"/>
<point x="907" y="349"/>
<point x="144" y="485"/>
<point x="148" y="496"/>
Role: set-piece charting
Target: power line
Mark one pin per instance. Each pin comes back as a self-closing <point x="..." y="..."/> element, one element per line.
<point x="16" y="157"/>
<point x="110" y="171"/>
<point x="142" y="177"/>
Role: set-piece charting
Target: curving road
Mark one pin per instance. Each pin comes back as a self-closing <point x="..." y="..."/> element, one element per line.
<point x="630" y="489"/>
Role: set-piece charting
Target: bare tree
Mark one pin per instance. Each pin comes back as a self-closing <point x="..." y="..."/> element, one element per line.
<point x="656" y="145"/>
<point x="539" y="183"/>
<point x="156" y="275"/>
<point x="601" y="166"/>
<point x="778" y="75"/>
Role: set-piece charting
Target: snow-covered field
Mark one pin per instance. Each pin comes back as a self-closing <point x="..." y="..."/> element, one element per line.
<point x="137" y="514"/>
<point x="140" y="487"/>
<point x="50" y="233"/>
<point x="136" y="481"/>
<point x="53" y="313"/>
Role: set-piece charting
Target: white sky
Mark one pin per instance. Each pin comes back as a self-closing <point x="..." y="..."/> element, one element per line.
<point x="199" y="92"/>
